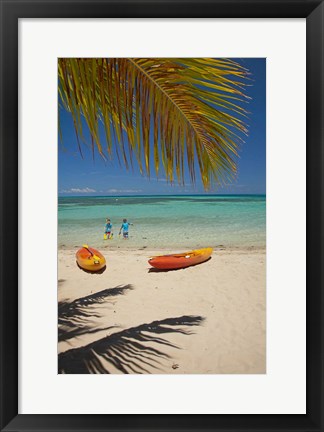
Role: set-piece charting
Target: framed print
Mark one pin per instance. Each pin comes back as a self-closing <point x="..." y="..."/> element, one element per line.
<point x="162" y="178"/>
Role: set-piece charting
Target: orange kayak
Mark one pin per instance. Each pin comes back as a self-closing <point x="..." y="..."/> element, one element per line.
<point x="177" y="261"/>
<point x="90" y="259"/>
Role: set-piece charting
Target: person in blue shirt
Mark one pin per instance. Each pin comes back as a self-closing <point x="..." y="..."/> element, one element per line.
<point x="124" y="227"/>
<point x="108" y="228"/>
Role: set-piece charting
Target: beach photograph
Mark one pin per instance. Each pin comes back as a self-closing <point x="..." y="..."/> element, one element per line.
<point x="161" y="216"/>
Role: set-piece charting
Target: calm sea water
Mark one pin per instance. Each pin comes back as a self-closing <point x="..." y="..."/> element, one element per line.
<point x="168" y="222"/>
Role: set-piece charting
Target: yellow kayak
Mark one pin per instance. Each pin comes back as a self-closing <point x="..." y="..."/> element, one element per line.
<point x="90" y="259"/>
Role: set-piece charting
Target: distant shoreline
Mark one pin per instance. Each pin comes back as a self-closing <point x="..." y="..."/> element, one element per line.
<point x="115" y="248"/>
<point x="156" y="195"/>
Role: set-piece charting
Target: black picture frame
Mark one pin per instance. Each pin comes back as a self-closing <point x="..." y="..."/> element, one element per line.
<point x="11" y="11"/>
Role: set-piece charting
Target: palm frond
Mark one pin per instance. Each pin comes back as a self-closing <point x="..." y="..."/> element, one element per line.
<point x="164" y="112"/>
<point x="134" y="350"/>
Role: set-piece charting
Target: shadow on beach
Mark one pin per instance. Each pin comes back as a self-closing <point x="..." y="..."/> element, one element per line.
<point x="134" y="350"/>
<point x="76" y="318"/>
<point x="92" y="272"/>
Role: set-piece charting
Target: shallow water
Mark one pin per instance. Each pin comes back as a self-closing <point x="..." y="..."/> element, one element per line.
<point x="170" y="222"/>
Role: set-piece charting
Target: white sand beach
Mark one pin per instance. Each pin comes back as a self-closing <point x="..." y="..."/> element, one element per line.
<point x="205" y="319"/>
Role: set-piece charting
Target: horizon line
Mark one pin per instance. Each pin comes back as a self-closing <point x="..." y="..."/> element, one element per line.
<point x="142" y="195"/>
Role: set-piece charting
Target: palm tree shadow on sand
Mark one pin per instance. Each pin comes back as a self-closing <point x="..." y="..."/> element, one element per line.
<point x="76" y="318"/>
<point x="134" y="350"/>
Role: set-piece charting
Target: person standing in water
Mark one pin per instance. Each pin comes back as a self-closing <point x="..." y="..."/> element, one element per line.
<point x="125" y="226"/>
<point x="108" y="228"/>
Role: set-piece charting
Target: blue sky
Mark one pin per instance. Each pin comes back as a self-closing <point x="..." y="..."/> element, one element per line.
<point x="88" y="176"/>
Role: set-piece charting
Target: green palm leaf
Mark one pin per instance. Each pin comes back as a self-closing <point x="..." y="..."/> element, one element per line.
<point x="163" y="112"/>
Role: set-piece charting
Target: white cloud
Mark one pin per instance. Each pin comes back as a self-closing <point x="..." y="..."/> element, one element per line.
<point x="77" y="190"/>
<point x="114" y="191"/>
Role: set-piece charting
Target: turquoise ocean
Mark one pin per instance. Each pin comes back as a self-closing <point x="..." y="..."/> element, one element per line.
<point x="164" y="222"/>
